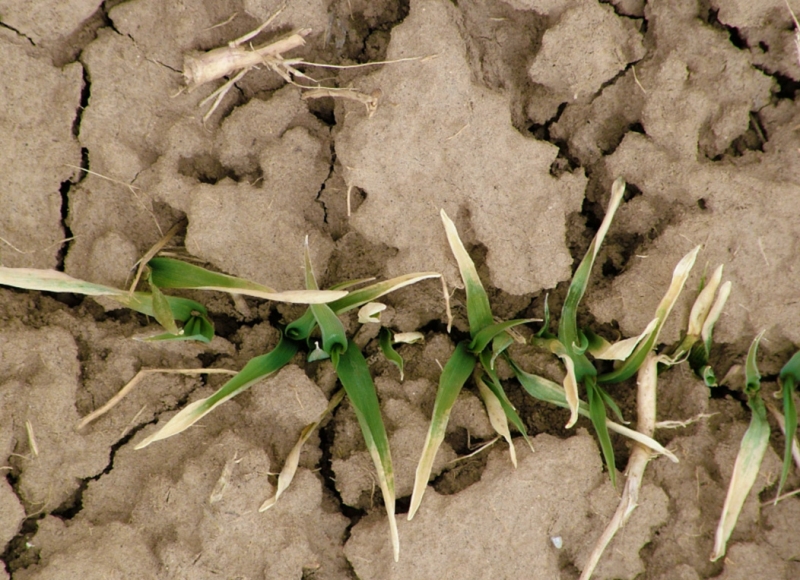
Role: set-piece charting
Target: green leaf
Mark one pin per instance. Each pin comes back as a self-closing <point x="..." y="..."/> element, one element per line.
<point x="550" y="392"/>
<point x="568" y="325"/>
<point x="182" y="308"/>
<point x="751" y="453"/>
<point x="610" y="403"/>
<point x="788" y="379"/>
<point x="632" y="363"/>
<point x="162" y="311"/>
<point x="482" y="339"/>
<point x="597" y="413"/>
<point x="479" y="312"/>
<point x="456" y="371"/>
<point x="333" y="334"/>
<point x="385" y="340"/>
<point x="351" y="367"/>
<point x="255" y="370"/>
<point x="496" y="388"/>
<point x="169" y="273"/>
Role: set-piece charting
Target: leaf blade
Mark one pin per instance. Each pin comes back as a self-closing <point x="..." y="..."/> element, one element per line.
<point x="255" y="370"/>
<point x="353" y="372"/>
<point x="479" y="312"/>
<point x="456" y="371"/>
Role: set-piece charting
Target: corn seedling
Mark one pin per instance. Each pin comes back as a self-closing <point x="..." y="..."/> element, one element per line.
<point x="324" y="308"/>
<point x="167" y="310"/>
<point x="490" y="340"/>
<point x="702" y="316"/>
<point x="349" y="363"/>
<point x="751" y="453"/>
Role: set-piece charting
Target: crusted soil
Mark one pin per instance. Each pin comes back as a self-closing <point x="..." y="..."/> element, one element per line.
<point x="515" y="116"/>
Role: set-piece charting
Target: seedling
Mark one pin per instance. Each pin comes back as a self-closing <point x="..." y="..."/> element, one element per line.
<point x="490" y="340"/>
<point x="324" y="308"/>
<point x="572" y="344"/>
<point x="348" y="361"/>
<point x="165" y="309"/>
<point x="701" y="323"/>
<point x="751" y="453"/>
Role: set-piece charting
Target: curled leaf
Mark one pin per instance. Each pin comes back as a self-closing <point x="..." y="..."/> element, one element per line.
<point x="371" y="312"/>
<point x="385" y="341"/>
<point x="408" y="337"/>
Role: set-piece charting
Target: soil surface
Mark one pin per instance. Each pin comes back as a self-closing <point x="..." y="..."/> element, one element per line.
<point x="515" y="116"/>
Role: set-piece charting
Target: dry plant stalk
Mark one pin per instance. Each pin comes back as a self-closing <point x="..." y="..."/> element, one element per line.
<point x="370" y="100"/>
<point x="639" y="458"/>
<point x="224" y="61"/>
<point x="237" y="59"/>
<point x="135" y="381"/>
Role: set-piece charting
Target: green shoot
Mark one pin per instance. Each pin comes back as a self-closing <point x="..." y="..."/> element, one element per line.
<point x="165" y="309"/>
<point x="385" y="341"/>
<point x="788" y="379"/>
<point x="489" y="339"/>
<point x="169" y="273"/>
<point x="748" y="460"/>
<point x="353" y="372"/>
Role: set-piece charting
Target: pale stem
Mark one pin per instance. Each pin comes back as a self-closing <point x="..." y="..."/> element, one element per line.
<point x="640" y="456"/>
<point x="135" y="381"/>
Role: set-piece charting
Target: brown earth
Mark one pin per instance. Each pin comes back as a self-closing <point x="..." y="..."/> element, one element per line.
<point x="515" y="118"/>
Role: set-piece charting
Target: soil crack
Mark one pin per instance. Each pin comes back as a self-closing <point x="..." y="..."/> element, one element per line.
<point x="17" y="32"/>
